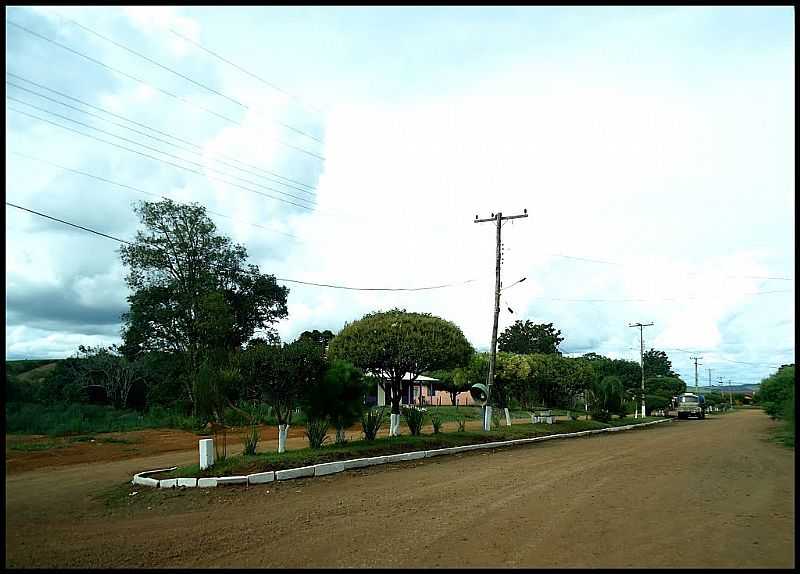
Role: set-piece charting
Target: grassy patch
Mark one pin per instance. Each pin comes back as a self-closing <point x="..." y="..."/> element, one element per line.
<point x="82" y="419"/>
<point x="247" y="464"/>
<point x="451" y="413"/>
<point x="35" y="446"/>
<point x="39" y="446"/>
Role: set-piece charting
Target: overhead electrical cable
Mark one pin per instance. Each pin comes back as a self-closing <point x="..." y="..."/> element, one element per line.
<point x="241" y="69"/>
<point x="184" y="76"/>
<point x="145" y="83"/>
<point x="769" y="278"/>
<point x="150" y="193"/>
<point x="349" y="288"/>
<point x="166" y="134"/>
<point x="163" y="160"/>
<point x="197" y="151"/>
<point x="168" y="154"/>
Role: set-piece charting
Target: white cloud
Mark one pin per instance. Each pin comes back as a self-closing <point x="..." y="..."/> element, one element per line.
<point x="615" y="158"/>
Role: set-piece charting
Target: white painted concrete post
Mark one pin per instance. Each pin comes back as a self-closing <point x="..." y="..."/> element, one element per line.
<point x="206" y="453"/>
<point x="487" y="418"/>
<point x="394" y="424"/>
<point x="508" y="417"/>
<point x="283" y="430"/>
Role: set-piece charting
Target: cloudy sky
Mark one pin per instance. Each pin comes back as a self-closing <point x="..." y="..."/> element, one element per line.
<point x="652" y="147"/>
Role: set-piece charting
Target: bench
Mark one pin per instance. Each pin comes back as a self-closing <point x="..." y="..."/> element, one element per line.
<point x="542" y="417"/>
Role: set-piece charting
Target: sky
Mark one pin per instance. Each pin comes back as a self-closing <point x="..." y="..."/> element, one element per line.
<point x="653" y="149"/>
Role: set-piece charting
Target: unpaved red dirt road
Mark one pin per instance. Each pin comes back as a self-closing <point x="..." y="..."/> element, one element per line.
<point x="603" y="501"/>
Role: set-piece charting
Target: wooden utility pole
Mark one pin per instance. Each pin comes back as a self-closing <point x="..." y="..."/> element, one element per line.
<point x="498" y="218"/>
<point x="641" y="354"/>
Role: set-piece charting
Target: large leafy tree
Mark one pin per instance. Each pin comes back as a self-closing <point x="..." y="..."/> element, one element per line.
<point x="392" y="343"/>
<point x="527" y="337"/>
<point x="321" y="338"/>
<point x="192" y="290"/>
<point x="281" y="376"/>
<point x="657" y="363"/>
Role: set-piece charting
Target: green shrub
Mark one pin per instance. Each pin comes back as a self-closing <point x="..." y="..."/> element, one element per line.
<point x="251" y="440"/>
<point x="495" y="418"/>
<point x="414" y="417"/>
<point x="436" y="421"/>
<point x="601" y="415"/>
<point x="317" y="432"/>
<point x="371" y="422"/>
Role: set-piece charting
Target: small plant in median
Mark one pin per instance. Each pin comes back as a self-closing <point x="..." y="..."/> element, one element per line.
<point x="414" y="417"/>
<point x="251" y="440"/>
<point x="317" y="431"/>
<point x="436" y="421"/>
<point x="371" y="421"/>
<point x="462" y="423"/>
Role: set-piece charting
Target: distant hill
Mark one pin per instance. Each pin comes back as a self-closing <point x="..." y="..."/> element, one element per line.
<point x="727" y="388"/>
<point x="26" y="370"/>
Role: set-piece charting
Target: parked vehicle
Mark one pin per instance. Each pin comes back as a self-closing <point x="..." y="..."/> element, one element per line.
<point x="690" y="405"/>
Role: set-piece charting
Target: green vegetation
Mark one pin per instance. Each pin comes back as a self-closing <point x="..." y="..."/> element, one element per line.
<point x="238" y="465"/>
<point x="528" y="338"/>
<point x="776" y="396"/>
<point x="75" y="418"/>
<point x="396" y="343"/>
<point x="414" y="417"/>
<point x="63" y="443"/>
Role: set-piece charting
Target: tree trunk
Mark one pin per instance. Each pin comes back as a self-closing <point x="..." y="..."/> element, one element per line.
<point x="454" y="398"/>
<point x="283" y="430"/>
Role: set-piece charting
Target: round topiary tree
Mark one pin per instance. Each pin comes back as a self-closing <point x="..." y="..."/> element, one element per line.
<point x="392" y="343"/>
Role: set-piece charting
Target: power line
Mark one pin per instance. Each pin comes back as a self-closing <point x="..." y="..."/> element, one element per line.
<point x="150" y="193"/>
<point x="688" y="273"/>
<point x="185" y="77"/>
<point x="251" y="74"/>
<point x="246" y="271"/>
<point x="192" y="144"/>
<point x="200" y="165"/>
<point x="672" y="299"/>
<point x="70" y="224"/>
<point x="163" y="160"/>
<point x="145" y="134"/>
<point x="145" y="83"/>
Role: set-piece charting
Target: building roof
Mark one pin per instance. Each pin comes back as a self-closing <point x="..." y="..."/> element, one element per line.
<point x="407" y="377"/>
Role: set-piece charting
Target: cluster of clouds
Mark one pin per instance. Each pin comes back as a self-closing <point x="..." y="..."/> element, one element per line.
<point x="656" y="171"/>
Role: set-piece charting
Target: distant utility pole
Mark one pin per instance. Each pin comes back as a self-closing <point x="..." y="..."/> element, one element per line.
<point x="641" y="354"/>
<point x="696" y="388"/>
<point x="498" y="218"/>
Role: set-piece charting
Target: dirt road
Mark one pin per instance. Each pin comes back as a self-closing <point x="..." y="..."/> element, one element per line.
<point x="603" y="501"/>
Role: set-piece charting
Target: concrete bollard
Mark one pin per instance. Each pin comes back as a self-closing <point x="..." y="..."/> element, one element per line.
<point x="206" y="453"/>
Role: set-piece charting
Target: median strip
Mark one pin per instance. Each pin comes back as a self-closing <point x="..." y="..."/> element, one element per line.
<point x="327" y="468"/>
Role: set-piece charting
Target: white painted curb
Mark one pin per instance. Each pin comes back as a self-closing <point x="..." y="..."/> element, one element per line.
<point x="362" y="462"/>
<point x="301" y="472"/>
<point x="261" y="477"/>
<point x="326" y="468"/>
